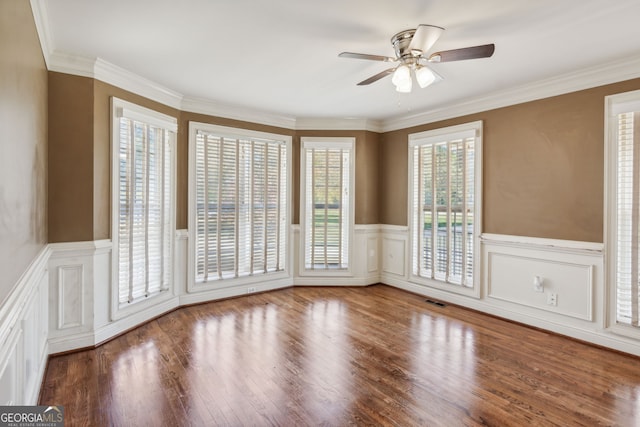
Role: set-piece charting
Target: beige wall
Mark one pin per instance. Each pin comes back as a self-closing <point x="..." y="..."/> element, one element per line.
<point x="543" y="166"/>
<point x="23" y="143"/>
<point x="367" y="174"/>
<point x="70" y="154"/>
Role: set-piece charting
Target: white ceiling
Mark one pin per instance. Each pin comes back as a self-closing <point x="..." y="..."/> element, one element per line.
<point x="281" y="56"/>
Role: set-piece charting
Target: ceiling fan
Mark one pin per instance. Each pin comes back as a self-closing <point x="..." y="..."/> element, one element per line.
<point x="411" y="47"/>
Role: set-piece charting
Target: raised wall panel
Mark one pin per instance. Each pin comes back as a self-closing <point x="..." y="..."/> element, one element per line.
<point x="31" y="359"/>
<point x="70" y="296"/>
<point x="181" y="256"/>
<point x="511" y="276"/>
<point x="10" y="372"/>
<point x="571" y="271"/>
<point x="372" y="254"/>
<point x="393" y="253"/>
<point x="72" y="289"/>
<point x="43" y="313"/>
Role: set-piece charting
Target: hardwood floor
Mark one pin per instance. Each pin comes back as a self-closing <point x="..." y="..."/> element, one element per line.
<point x="341" y="356"/>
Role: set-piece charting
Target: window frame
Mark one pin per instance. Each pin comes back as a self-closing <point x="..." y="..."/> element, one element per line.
<point x="307" y="142"/>
<point x="237" y="133"/>
<point x="428" y="137"/>
<point x="614" y="105"/>
<point x="121" y="108"/>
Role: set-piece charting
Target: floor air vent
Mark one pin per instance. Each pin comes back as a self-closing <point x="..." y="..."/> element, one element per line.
<point x="438" y="303"/>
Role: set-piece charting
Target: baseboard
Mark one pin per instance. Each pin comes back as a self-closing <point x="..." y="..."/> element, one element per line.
<point x="336" y="281"/>
<point x="117" y="327"/>
<point x="71" y="342"/>
<point x="197" y="297"/>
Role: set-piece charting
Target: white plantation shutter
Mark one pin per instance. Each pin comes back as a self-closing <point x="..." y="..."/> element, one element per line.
<point x="443" y="204"/>
<point x="628" y="217"/>
<point x="328" y="204"/>
<point x="143" y="216"/>
<point x="240" y="205"/>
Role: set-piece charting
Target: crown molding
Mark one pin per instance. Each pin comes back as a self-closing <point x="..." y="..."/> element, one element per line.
<point x="124" y="79"/>
<point x="583" y="79"/>
<point x="41" y="19"/>
<point x="106" y="72"/>
<point x="308" y="123"/>
<point x="67" y="63"/>
<point x="236" y="112"/>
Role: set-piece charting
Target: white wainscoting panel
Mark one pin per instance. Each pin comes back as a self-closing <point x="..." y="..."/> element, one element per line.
<point x="10" y="382"/>
<point x="31" y="346"/>
<point x="180" y="261"/>
<point x="80" y="297"/>
<point x="364" y="262"/>
<point x="23" y="335"/>
<point x="569" y="272"/>
<point x="70" y="296"/>
<point x="365" y="253"/>
<point x="394" y="251"/>
<point x="511" y="278"/>
<point x="373" y="248"/>
<point x="101" y="283"/>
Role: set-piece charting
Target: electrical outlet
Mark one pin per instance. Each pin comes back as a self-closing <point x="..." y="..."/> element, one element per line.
<point x="552" y="299"/>
<point x="251" y="290"/>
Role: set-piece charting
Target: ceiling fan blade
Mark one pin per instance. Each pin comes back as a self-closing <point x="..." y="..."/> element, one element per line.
<point x="366" y="56"/>
<point x="424" y="37"/>
<point x="376" y="77"/>
<point x="484" y="51"/>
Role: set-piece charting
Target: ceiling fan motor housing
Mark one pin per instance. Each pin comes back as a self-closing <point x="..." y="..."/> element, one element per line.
<point x="401" y="42"/>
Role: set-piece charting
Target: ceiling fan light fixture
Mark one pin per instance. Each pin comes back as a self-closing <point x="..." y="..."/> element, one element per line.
<point x="401" y="76"/>
<point x="424" y="76"/>
<point x="404" y="86"/>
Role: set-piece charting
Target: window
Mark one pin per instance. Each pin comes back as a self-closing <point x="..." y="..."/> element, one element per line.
<point x="326" y="215"/>
<point x="623" y="208"/>
<point x="445" y="189"/>
<point x="143" y="225"/>
<point x="239" y="202"/>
